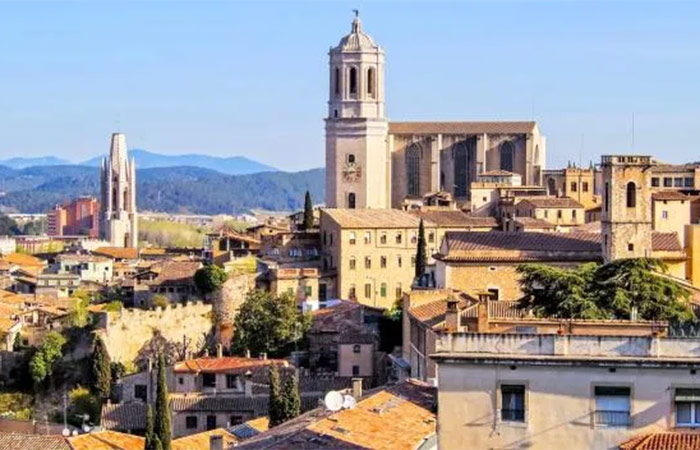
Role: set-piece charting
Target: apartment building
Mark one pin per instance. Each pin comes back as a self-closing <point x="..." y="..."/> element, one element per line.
<point x="77" y="217"/>
<point x="562" y="212"/>
<point x="573" y="182"/>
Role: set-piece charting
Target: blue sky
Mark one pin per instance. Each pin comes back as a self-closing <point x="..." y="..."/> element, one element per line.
<point x="230" y="78"/>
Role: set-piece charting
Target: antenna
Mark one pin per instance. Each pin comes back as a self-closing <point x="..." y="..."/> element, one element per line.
<point x="333" y="401"/>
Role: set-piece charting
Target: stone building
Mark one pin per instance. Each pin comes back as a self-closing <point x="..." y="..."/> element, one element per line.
<point x="374" y="163"/>
<point x="573" y="182"/>
<point x="118" y="202"/>
<point x="562" y="212"/>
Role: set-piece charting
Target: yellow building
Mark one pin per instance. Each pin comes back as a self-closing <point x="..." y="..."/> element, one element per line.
<point x="572" y="182"/>
<point x="670" y="212"/>
<point x="562" y="212"/>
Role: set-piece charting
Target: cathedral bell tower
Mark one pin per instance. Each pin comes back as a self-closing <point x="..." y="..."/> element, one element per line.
<point x="357" y="159"/>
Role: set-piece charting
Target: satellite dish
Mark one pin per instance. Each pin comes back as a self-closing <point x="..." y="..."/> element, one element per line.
<point x="75" y="432"/>
<point x="349" y="402"/>
<point x="65" y="432"/>
<point x="333" y="400"/>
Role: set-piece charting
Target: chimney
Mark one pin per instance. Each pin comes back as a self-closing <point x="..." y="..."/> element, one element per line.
<point x="206" y="353"/>
<point x="149" y="366"/>
<point x="219" y="351"/>
<point x="452" y="316"/>
<point x="247" y="353"/>
<point x="264" y="356"/>
<point x="216" y="442"/>
<point x="482" y="315"/>
<point x="248" y="384"/>
<point x="357" y="388"/>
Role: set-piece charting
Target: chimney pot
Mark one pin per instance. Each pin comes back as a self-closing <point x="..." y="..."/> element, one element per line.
<point x="357" y="388"/>
<point x="247" y="354"/>
<point x="216" y="442"/>
<point x="452" y="316"/>
<point x="219" y="351"/>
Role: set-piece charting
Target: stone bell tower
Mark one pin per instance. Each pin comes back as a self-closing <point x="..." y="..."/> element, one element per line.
<point x="118" y="203"/>
<point x="357" y="159"/>
<point x="626" y="220"/>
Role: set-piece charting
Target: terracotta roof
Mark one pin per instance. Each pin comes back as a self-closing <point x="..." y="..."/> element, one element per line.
<point x="225" y="364"/>
<point x="496" y="173"/>
<point x="17" y="441"/>
<point x="81" y="258"/>
<point x="665" y="242"/>
<point x="433" y="313"/>
<point x="673" y="440"/>
<point x="461" y="127"/>
<point x="236" y="235"/>
<point x="590" y="227"/>
<point x="674" y="167"/>
<point x="123" y="416"/>
<point x="117" y="252"/>
<point x="200" y="441"/>
<point x="106" y="440"/>
<point x="21" y="259"/>
<point x="454" y="219"/>
<point x="669" y="196"/>
<point x="499" y="309"/>
<point x="553" y="202"/>
<point x="533" y="222"/>
<point x="372" y="218"/>
<point x="176" y="272"/>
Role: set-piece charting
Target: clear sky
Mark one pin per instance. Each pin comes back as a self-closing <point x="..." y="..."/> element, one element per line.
<point x="230" y="78"/>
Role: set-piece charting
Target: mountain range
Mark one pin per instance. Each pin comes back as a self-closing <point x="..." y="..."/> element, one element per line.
<point x="233" y="165"/>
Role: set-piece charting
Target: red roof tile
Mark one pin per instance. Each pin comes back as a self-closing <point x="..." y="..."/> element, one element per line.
<point x="685" y="440"/>
<point x="669" y="196"/>
<point x="455" y="219"/>
<point x="225" y="364"/>
<point x="665" y="242"/>
<point x="553" y="202"/>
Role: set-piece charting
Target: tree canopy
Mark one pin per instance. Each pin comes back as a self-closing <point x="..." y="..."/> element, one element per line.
<point x="209" y="279"/>
<point x="162" y="416"/>
<point x="308" y="222"/>
<point x="101" y="370"/>
<point x="421" y="259"/>
<point x="268" y="324"/>
<point x="616" y="290"/>
<point x="49" y="352"/>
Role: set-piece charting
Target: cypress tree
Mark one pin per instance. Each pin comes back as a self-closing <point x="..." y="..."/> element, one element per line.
<point x="275" y="401"/>
<point x="420" y="251"/>
<point x="308" y="212"/>
<point x="101" y="370"/>
<point x="162" y="419"/>
<point x="150" y="432"/>
<point x="158" y="445"/>
<point x="290" y="398"/>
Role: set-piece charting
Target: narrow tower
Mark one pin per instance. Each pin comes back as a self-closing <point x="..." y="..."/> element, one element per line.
<point x="118" y="206"/>
<point x="626" y="212"/>
<point x="357" y="160"/>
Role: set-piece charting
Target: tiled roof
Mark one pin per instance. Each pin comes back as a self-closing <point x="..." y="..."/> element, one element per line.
<point x="106" y="440"/>
<point x="533" y="222"/>
<point x="461" y="127"/>
<point x="454" y="218"/>
<point x="499" y="309"/>
<point x="673" y="167"/>
<point x="372" y="218"/>
<point x="674" y="440"/>
<point x="236" y="235"/>
<point x="433" y="313"/>
<point x="200" y="441"/>
<point x="250" y="428"/>
<point x="590" y="227"/>
<point x="176" y="273"/>
<point x="21" y="259"/>
<point x="553" y="202"/>
<point x="669" y="196"/>
<point x="665" y="242"/>
<point x="225" y="364"/>
<point x="117" y="252"/>
<point x="16" y="441"/>
<point x="496" y="173"/>
<point x="531" y="246"/>
<point x="124" y="416"/>
<point x="81" y="258"/>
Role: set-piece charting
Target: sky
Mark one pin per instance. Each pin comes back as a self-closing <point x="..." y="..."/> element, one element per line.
<point x="251" y="78"/>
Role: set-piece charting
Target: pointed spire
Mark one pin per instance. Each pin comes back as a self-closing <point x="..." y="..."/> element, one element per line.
<point x="356" y="24"/>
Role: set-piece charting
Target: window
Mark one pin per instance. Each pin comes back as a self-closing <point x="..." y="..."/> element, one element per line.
<point x="584" y="186"/>
<point x="353" y="263"/>
<point x="668" y="182"/>
<point x="353" y="238"/>
<point x="337" y="82"/>
<point x="399" y="261"/>
<point x="413" y="155"/>
<point x="370" y="82"/>
<point x="191" y="422"/>
<point x="308" y="291"/>
<point x="612" y="405"/>
<point x="551" y="187"/>
<point x="606" y="195"/>
<point x="507" y="153"/>
<point x="631" y="195"/>
<point x="180" y="380"/>
<point x="398" y="291"/>
<point x="211" y="423"/>
<point x="368" y="290"/>
<point x="368" y="262"/>
<point x="431" y="237"/>
<point x="630" y="247"/>
<point x="355" y="370"/>
<point x="688" y="182"/>
<point x="664" y="214"/>
<point x="687" y="407"/>
<point x="235" y="420"/>
<point x="141" y="392"/>
<point x="356" y="348"/>
<point x="494" y="293"/>
<point x="546" y="213"/>
<point x="574" y="186"/>
<point x="208" y="380"/>
<point x="382" y="290"/>
<point x="512" y="403"/>
<point x="414" y="237"/>
<point x="351" y="158"/>
<point x="413" y="261"/>
<point x="231" y="381"/>
<point x="353" y="81"/>
<point x="655" y="182"/>
<point x="351" y="293"/>
<point x="398" y="237"/>
<point x="330" y="240"/>
<point x="351" y="200"/>
<point x="559" y="214"/>
<point x="573" y="213"/>
<point x="678" y="182"/>
<point x="382" y="238"/>
<point x="461" y="178"/>
<point x="382" y="262"/>
<point x="368" y="237"/>
<point x="322" y="292"/>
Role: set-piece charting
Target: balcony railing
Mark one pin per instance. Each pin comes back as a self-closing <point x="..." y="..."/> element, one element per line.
<point x="513" y="415"/>
<point x="612" y="418"/>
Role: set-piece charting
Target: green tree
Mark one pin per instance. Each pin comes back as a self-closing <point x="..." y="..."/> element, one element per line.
<point x="8" y="226"/>
<point x="268" y="324"/>
<point x="79" y="315"/>
<point x="291" y="403"/>
<point x="275" y="398"/>
<point x="162" y="416"/>
<point x="209" y="279"/>
<point x="49" y="352"/>
<point x="421" y="260"/>
<point x="83" y="402"/>
<point x="158" y="444"/>
<point x="160" y="301"/>
<point x="308" y="222"/>
<point x="17" y="344"/>
<point x="150" y="432"/>
<point x="101" y="370"/>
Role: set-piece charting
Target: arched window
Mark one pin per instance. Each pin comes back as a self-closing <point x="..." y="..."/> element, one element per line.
<point x="507" y="154"/>
<point x="551" y="187"/>
<point x="351" y="200"/>
<point x="353" y="81"/>
<point x="413" y="154"/>
<point x="370" y="82"/>
<point x="606" y="197"/>
<point x="337" y="82"/>
<point x="631" y="195"/>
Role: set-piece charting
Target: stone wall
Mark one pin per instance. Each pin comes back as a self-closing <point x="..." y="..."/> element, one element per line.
<point x="226" y="304"/>
<point x="126" y="333"/>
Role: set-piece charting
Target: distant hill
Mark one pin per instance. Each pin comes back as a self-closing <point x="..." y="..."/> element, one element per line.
<point x="174" y="189"/>
<point x="233" y="165"/>
<point x="21" y="163"/>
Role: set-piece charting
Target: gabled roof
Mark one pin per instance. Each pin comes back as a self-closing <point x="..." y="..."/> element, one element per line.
<point x="552" y="202"/>
<point x="22" y="259"/>
<point x="372" y="218"/>
<point x="225" y="364"/>
<point x="665" y="242"/>
<point x="669" y="196"/>
<point x="18" y="441"/>
<point x="672" y="440"/>
<point x="462" y="127"/>
<point x="175" y="272"/>
<point x="117" y="252"/>
<point x="106" y="440"/>
<point x="433" y="313"/>
<point x="533" y="222"/>
<point x="454" y="218"/>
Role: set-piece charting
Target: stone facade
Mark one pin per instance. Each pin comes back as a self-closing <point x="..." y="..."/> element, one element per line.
<point x="573" y="182"/>
<point x="118" y="203"/>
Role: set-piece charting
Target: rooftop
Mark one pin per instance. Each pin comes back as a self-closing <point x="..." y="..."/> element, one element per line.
<point x="454" y="218"/>
<point x="553" y="202"/>
<point x="669" y="196"/>
<point x="225" y="364"/>
<point x="372" y="218"/>
<point x="533" y="222"/>
<point x="106" y="440"/>
<point x="462" y="127"/>
<point x="117" y="252"/>
<point x="17" y="441"/>
<point x="672" y="440"/>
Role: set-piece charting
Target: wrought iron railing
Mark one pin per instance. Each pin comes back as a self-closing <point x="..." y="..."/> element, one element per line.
<point x="612" y="418"/>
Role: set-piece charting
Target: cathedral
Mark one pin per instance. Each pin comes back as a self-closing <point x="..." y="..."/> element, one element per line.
<point x="118" y="202"/>
<point x="374" y="163"/>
